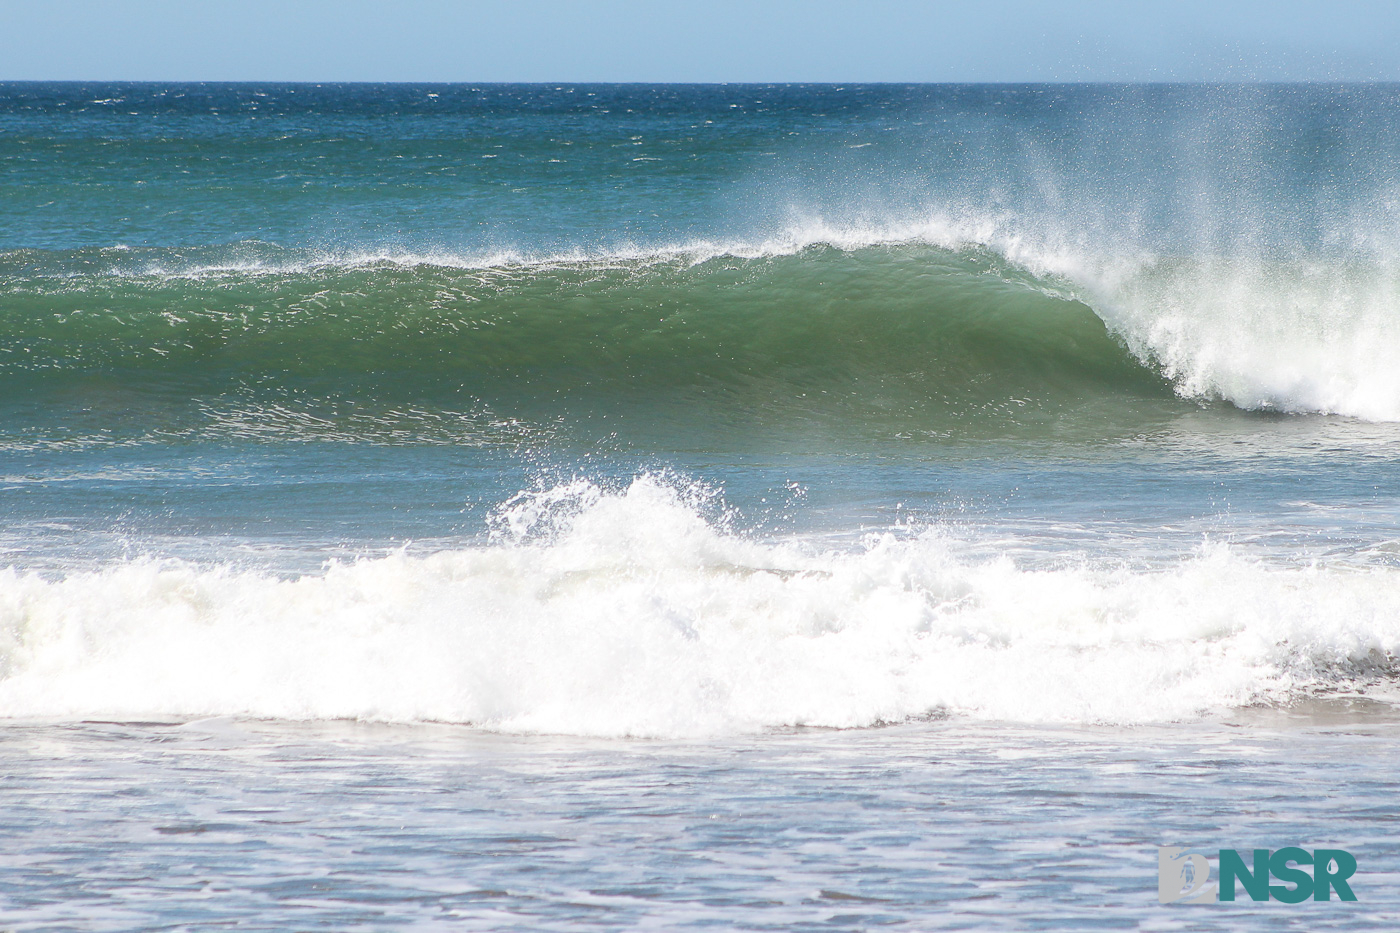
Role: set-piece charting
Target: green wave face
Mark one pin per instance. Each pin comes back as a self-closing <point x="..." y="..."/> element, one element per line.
<point x="916" y="337"/>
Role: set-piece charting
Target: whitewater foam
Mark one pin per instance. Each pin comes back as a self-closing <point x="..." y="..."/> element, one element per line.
<point x="638" y="611"/>
<point x="1289" y="336"/>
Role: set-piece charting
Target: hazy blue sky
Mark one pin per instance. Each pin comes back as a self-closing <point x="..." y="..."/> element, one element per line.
<point x="719" y="40"/>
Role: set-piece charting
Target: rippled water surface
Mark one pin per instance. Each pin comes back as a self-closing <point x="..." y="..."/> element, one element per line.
<point x="263" y="826"/>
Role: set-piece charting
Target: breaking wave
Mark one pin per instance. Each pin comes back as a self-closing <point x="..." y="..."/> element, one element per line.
<point x="923" y="320"/>
<point x="639" y="611"/>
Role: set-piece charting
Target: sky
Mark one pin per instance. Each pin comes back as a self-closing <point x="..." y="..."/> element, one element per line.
<point x="699" y="41"/>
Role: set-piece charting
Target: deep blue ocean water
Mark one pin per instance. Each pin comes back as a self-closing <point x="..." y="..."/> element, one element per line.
<point x="505" y="441"/>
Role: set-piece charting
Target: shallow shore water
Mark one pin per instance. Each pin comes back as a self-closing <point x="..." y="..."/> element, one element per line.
<point x="949" y="825"/>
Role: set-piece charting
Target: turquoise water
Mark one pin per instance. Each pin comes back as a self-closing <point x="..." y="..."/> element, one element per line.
<point x="696" y="415"/>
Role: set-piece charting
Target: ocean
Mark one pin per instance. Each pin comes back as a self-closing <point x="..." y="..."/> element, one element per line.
<point x="753" y="507"/>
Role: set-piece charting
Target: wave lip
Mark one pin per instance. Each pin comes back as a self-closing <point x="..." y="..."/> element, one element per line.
<point x="945" y="232"/>
<point x="635" y="612"/>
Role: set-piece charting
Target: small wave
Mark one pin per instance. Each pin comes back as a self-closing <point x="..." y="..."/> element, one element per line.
<point x="639" y="611"/>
